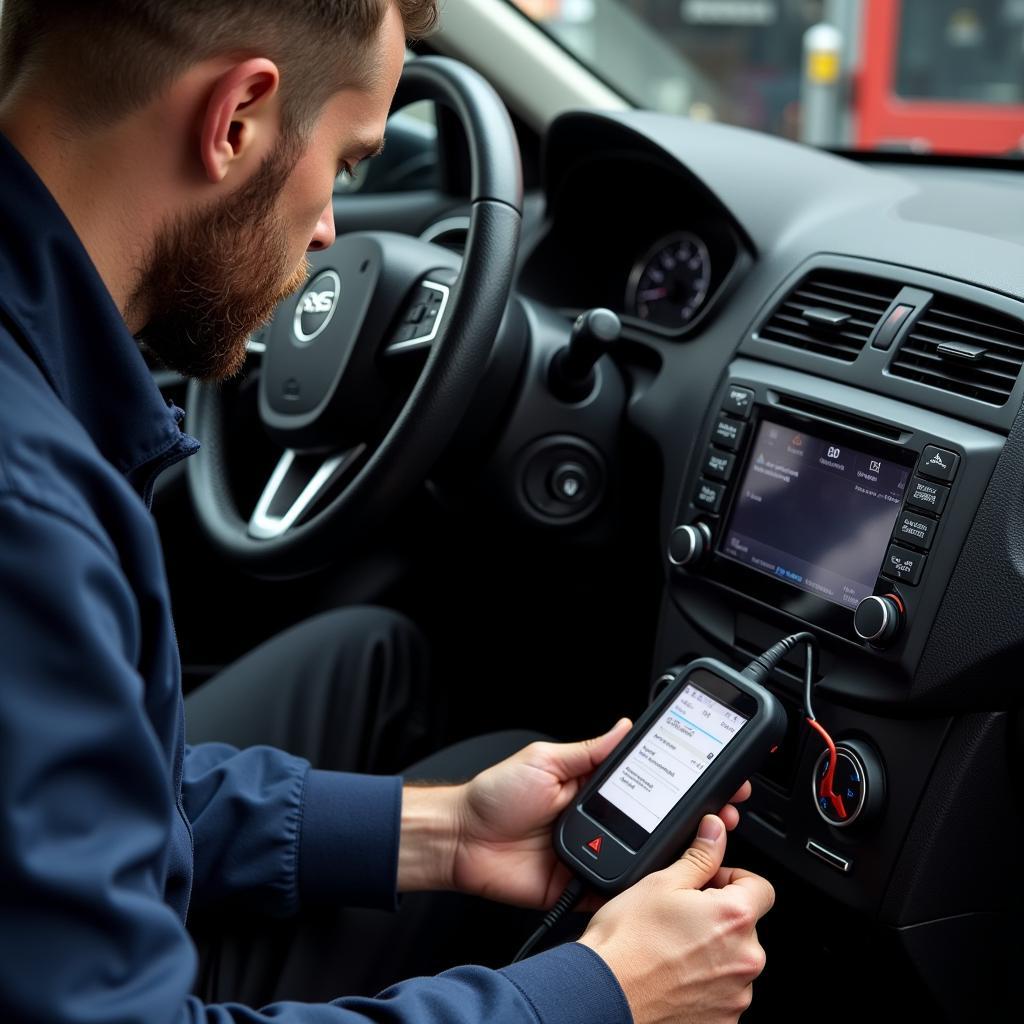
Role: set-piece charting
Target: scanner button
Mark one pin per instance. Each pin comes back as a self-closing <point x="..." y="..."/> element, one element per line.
<point x="594" y="846"/>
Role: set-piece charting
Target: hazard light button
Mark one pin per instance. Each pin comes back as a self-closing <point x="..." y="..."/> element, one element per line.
<point x="594" y="846"/>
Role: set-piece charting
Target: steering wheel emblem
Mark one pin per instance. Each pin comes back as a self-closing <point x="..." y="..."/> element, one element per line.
<point x="316" y="306"/>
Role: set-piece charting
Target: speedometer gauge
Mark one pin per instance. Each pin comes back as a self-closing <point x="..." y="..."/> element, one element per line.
<point x="669" y="285"/>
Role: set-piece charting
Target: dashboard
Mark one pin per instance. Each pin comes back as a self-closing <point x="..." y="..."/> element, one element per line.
<point x="827" y="356"/>
<point x="660" y="263"/>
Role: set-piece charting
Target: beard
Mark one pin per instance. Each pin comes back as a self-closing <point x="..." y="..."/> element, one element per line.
<point x="218" y="275"/>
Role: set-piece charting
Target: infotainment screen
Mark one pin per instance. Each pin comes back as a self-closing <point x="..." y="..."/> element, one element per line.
<point x="815" y="513"/>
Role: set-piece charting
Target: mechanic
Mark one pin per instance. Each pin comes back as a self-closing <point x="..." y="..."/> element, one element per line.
<point x="165" y="166"/>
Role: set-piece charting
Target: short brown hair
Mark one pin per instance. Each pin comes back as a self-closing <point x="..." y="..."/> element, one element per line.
<point x="104" y="58"/>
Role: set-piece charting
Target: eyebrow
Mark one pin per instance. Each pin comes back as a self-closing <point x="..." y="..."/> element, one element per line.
<point x="371" y="149"/>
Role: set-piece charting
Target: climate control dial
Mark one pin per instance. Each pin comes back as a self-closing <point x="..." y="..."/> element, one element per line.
<point x="858" y="785"/>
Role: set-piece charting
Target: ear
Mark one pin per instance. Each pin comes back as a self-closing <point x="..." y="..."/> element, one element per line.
<point x="240" y="120"/>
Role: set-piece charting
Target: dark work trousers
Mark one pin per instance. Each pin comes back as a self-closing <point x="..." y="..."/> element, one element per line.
<point x="349" y="690"/>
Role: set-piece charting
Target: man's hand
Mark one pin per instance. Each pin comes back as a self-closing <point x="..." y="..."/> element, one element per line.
<point x="504" y="816"/>
<point x="680" y="951"/>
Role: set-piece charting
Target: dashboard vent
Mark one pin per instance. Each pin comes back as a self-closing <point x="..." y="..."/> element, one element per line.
<point x="831" y="312"/>
<point x="965" y="348"/>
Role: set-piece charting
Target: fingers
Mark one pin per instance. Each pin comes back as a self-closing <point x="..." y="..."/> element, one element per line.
<point x="571" y="760"/>
<point x="758" y="889"/>
<point x="741" y="794"/>
<point x="700" y="863"/>
<point x="730" y="816"/>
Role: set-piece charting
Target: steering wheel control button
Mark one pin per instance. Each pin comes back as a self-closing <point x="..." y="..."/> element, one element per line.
<point x="903" y="564"/>
<point x="570" y="483"/>
<point x="738" y="401"/>
<point x="858" y="782"/>
<point x="718" y="465"/>
<point x="928" y="496"/>
<point x="708" y="496"/>
<point x="728" y="433"/>
<point x="878" y="619"/>
<point x="421" y="321"/>
<point x="689" y="544"/>
<point x="891" y="327"/>
<point x="938" y="463"/>
<point x="914" y="528"/>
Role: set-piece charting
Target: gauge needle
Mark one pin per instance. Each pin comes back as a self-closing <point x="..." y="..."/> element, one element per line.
<point x="653" y="294"/>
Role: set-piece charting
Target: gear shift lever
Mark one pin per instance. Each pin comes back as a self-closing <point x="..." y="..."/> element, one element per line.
<point x="594" y="333"/>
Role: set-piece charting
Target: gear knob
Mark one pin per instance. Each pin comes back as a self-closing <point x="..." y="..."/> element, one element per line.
<point x="594" y="334"/>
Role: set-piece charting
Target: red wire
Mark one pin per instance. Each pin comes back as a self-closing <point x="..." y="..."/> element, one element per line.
<point x="826" y="789"/>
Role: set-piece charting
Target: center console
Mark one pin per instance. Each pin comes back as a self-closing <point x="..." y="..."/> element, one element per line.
<point x="812" y="504"/>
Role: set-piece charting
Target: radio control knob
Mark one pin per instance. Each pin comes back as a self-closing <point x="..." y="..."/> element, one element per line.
<point x="689" y="544"/>
<point x="879" y="619"/>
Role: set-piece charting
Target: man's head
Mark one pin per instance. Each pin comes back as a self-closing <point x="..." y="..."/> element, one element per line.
<point x="254" y="106"/>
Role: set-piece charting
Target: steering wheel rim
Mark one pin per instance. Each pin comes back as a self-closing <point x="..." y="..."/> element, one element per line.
<point x="445" y="387"/>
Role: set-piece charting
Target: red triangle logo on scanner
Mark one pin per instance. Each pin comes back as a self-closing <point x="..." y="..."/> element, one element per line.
<point x="595" y="844"/>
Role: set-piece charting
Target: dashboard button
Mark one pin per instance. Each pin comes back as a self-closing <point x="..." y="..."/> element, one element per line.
<point x="718" y="465"/>
<point x="913" y="528"/>
<point x="728" y="433"/>
<point x="709" y="496"/>
<point x="738" y="401"/>
<point x="924" y="494"/>
<point x="938" y="463"/>
<point x="903" y="564"/>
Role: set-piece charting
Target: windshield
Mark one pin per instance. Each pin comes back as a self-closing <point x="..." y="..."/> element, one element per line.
<point x="939" y="76"/>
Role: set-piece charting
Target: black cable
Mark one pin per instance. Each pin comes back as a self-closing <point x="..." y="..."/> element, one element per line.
<point x="764" y="664"/>
<point x="569" y="898"/>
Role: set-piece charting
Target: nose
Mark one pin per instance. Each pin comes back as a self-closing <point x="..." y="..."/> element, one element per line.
<point x="323" y="233"/>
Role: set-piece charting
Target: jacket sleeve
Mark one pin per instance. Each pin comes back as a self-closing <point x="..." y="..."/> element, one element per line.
<point x="271" y="830"/>
<point x="85" y="812"/>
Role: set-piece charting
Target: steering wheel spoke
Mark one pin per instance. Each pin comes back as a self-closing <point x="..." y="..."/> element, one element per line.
<point x="418" y="328"/>
<point x="257" y="343"/>
<point x="294" y="486"/>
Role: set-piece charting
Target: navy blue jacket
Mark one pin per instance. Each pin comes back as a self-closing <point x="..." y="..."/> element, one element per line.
<point x="110" y="826"/>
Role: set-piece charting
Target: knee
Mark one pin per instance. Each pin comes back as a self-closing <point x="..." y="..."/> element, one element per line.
<point x="381" y="641"/>
<point x="362" y="622"/>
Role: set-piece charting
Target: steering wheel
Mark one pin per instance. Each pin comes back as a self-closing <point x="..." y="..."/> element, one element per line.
<point x="334" y="388"/>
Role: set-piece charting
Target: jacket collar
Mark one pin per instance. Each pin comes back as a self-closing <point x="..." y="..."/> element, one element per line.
<point x="55" y="299"/>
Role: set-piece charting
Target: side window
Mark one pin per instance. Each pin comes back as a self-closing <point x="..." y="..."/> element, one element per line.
<point x="410" y="157"/>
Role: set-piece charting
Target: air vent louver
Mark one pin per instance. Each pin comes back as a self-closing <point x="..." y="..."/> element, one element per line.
<point x="831" y="312"/>
<point x="964" y="348"/>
